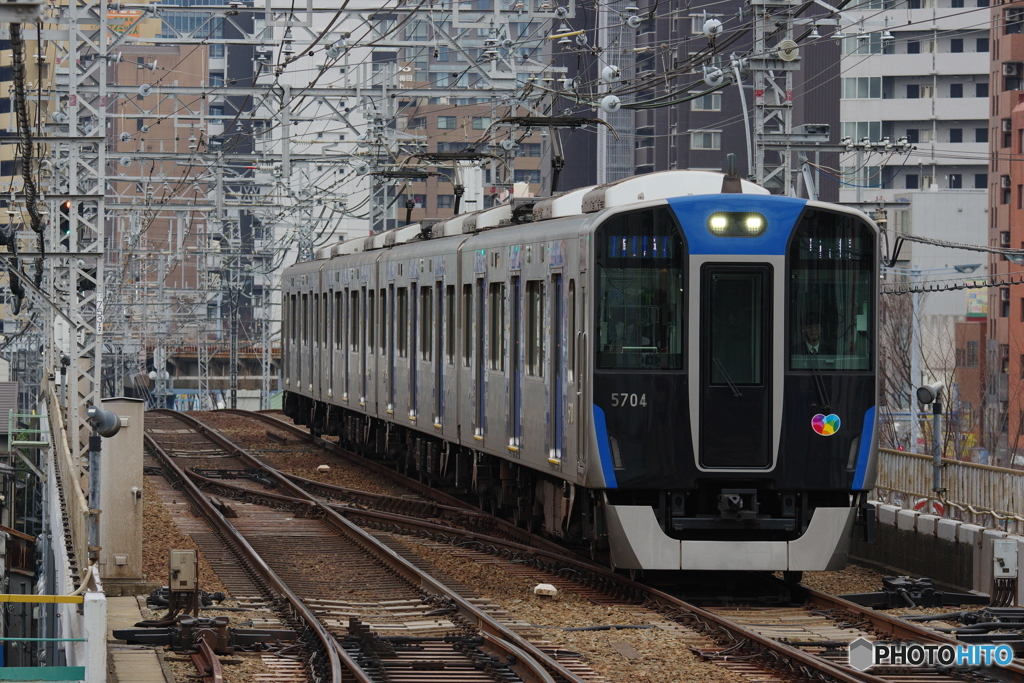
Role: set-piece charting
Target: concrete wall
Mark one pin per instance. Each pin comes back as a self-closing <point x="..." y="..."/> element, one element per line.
<point x="951" y="553"/>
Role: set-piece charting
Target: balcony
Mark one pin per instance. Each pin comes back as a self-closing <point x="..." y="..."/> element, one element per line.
<point x="946" y="109"/>
<point x="944" y="63"/>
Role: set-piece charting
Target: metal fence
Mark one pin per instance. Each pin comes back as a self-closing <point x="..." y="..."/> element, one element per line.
<point x="74" y="501"/>
<point x="989" y="496"/>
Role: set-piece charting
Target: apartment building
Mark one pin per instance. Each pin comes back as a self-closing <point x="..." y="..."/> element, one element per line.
<point x="916" y="69"/>
<point x="1004" y="365"/>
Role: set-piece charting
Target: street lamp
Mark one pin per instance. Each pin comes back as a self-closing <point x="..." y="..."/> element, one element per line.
<point x="932" y="393"/>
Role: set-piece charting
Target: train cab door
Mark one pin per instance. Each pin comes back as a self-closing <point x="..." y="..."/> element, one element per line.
<point x="735" y="366"/>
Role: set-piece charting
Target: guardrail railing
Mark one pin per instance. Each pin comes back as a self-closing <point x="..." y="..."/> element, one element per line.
<point x="989" y="496"/>
<point x="76" y="505"/>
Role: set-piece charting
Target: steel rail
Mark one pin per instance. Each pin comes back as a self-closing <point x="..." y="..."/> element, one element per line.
<point x="897" y="628"/>
<point x="446" y="504"/>
<point x="880" y="622"/>
<point x="335" y="654"/>
<point x="531" y="657"/>
<point x="669" y="602"/>
<point x="206" y="660"/>
<point x="413" y="484"/>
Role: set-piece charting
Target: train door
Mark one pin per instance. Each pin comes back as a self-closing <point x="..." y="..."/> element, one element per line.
<point x="439" y="359"/>
<point x="481" y="361"/>
<point x="556" y="407"/>
<point x="515" y="391"/>
<point x="736" y="366"/>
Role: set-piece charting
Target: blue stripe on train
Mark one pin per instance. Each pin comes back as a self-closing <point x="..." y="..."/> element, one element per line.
<point x="604" y="447"/>
<point x="867" y="434"/>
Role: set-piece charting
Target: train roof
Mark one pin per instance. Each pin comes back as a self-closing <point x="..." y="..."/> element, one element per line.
<point x="585" y="200"/>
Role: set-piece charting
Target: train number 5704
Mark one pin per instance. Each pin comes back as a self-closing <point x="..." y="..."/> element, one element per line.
<point x="629" y="400"/>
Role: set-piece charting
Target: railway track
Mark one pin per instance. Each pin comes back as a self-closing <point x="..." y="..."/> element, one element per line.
<point x="784" y="643"/>
<point x="343" y="585"/>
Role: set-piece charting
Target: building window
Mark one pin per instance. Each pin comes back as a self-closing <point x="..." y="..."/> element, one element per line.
<point x="445" y="201"/>
<point x="913" y="47"/>
<point x="528" y="149"/>
<point x="481" y="122"/>
<point x="981" y="45"/>
<point x="956" y="181"/>
<point x="981" y="89"/>
<point x="446" y="122"/>
<point x="862" y="88"/>
<point x="980" y="181"/>
<point x="972" y="354"/>
<point x="216" y="79"/>
<point x="711" y="102"/>
<point x="956" y="44"/>
<point x="956" y="89"/>
<point x="911" y="181"/>
<point x="956" y="4"/>
<point x="956" y="134"/>
<point x="417" y="122"/>
<point x="527" y="176"/>
<point x="913" y="136"/>
<point x="705" y="140"/>
<point x="981" y="134"/>
<point x="913" y="91"/>
<point x="644" y="168"/>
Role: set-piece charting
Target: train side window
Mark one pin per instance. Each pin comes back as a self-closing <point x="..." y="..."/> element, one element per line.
<point x="324" y="330"/>
<point x="571" y="340"/>
<point x="316" y="319"/>
<point x="449" y="310"/>
<point x="497" y="326"/>
<point x="338" y="317"/>
<point x="383" y="322"/>
<point x="402" y="324"/>
<point x="467" y="325"/>
<point x="305" y="319"/>
<point x="426" y="323"/>
<point x="293" y="311"/>
<point x="353" y="315"/>
<point x="535" y="328"/>
<point x="370" y="310"/>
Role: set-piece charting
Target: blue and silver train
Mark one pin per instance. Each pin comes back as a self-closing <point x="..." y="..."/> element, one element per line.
<point x="677" y="368"/>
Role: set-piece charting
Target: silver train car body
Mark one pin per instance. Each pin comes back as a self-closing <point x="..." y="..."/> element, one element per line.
<point x="477" y="353"/>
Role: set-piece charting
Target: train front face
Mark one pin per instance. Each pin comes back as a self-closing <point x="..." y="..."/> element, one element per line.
<point x="734" y="381"/>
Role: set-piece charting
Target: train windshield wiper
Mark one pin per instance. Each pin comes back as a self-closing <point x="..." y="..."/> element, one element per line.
<point x="819" y="382"/>
<point x="728" y="379"/>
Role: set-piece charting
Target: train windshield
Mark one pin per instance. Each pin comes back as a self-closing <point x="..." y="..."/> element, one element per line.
<point x="639" y="259"/>
<point x="831" y="293"/>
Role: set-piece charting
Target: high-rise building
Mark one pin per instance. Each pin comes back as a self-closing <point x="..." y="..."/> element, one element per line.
<point x="917" y="70"/>
<point x="1004" y="362"/>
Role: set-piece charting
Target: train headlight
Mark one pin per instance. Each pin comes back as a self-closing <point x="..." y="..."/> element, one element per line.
<point x="736" y="224"/>
<point x="719" y="223"/>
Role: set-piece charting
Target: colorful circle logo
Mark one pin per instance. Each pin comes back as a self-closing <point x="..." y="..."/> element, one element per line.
<point x="826" y="425"/>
